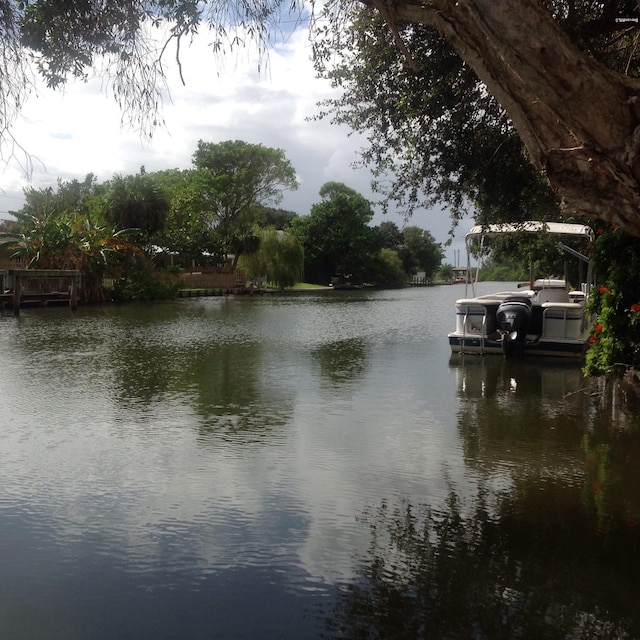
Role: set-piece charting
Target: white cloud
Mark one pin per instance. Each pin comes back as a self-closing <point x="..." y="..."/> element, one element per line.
<point x="79" y="131"/>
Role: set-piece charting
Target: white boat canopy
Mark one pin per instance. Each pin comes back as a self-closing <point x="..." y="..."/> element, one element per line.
<point x="531" y="226"/>
<point x="479" y="233"/>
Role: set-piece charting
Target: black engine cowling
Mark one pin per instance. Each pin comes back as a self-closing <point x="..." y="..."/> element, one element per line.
<point x="513" y="319"/>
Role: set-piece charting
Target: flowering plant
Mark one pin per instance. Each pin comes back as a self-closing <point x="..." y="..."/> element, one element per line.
<point x="615" y="338"/>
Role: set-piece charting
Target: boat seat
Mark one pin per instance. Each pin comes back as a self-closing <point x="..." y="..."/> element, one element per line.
<point x="552" y="295"/>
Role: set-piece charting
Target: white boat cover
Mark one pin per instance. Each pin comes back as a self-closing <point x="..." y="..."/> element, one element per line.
<point x="531" y="226"/>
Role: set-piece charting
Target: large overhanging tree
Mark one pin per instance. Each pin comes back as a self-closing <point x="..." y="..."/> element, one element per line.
<point x="578" y="118"/>
<point x="435" y="135"/>
<point x="563" y="70"/>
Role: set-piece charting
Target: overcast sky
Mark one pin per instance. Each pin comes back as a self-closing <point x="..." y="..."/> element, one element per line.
<point x="79" y="131"/>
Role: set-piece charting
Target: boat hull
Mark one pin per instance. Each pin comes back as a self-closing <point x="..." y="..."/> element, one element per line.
<point x="545" y="348"/>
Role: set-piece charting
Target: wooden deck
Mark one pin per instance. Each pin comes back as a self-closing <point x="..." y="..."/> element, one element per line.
<point x="39" y="287"/>
<point x="35" y="299"/>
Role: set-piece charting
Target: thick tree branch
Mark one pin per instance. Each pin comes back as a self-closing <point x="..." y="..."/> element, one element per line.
<point x="577" y="118"/>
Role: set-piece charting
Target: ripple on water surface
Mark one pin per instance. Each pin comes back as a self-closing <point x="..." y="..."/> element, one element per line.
<point x="201" y="468"/>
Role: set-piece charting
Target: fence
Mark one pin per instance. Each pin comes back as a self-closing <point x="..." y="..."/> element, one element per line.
<point x="214" y="278"/>
<point x="12" y="263"/>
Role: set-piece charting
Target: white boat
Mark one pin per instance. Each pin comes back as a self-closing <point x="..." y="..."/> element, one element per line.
<point x="541" y="317"/>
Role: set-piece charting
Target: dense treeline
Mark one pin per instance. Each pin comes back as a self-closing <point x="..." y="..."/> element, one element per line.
<point x="221" y="212"/>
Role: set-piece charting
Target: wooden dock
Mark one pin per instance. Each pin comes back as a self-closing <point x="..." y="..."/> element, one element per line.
<point x="34" y="286"/>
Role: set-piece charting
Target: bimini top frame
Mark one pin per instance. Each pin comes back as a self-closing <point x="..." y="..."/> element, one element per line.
<point x="478" y="234"/>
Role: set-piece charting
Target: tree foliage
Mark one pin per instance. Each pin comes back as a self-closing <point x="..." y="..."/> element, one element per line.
<point x="272" y="217"/>
<point x="445" y="272"/>
<point x="280" y="258"/>
<point x="69" y="228"/>
<point x="577" y="117"/>
<point x="420" y="251"/>
<point x="136" y="202"/>
<point x="188" y="233"/>
<point x="435" y="131"/>
<point x="83" y="225"/>
<point x="538" y="255"/>
<point x="391" y="235"/>
<point x="615" y="339"/>
<point x="563" y="71"/>
<point x="73" y="196"/>
<point x="235" y="178"/>
<point x="59" y="239"/>
<point x="495" y="270"/>
<point x="336" y="235"/>
<point x="128" y="41"/>
<point x="386" y="269"/>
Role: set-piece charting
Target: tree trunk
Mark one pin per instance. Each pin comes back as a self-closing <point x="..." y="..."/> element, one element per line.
<point x="578" y="119"/>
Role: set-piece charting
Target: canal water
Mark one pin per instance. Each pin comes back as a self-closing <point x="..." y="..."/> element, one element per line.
<point x="305" y="466"/>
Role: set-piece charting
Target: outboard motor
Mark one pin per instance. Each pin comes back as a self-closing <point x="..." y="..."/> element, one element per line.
<point x="513" y="318"/>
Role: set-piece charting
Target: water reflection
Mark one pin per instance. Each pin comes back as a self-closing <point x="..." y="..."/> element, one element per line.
<point x="611" y="493"/>
<point x="546" y="547"/>
<point x="502" y="378"/>
<point x="521" y="420"/>
<point x="520" y="417"/>
<point x="200" y="469"/>
<point x="199" y="361"/>
<point x="533" y="566"/>
<point x="342" y="360"/>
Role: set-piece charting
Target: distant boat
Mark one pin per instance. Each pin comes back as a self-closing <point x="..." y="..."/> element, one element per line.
<point x="541" y="318"/>
<point x="462" y="275"/>
<point x="344" y="282"/>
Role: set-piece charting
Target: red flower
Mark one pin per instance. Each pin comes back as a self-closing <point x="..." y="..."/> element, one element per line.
<point x="600" y="231"/>
<point x="598" y="328"/>
<point x="593" y="339"/>
<point x="603" y="290"/>
<point x="635" y="307"/>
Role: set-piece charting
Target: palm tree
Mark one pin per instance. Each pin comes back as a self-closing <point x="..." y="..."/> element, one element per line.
<point x="62" y="240"/>
<point x="137" y="203"/>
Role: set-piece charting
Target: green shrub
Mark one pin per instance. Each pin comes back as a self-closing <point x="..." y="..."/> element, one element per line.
<point x="143" y="282"/>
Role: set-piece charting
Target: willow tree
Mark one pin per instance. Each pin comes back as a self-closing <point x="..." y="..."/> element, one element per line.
<point x="563" y="70"/>
<point x="279" y="258"/>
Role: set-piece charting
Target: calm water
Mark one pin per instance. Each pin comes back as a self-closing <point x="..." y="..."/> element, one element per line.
<point x="307" y="466"/>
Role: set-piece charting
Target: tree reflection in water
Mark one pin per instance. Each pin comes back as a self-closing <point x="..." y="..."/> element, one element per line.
<point x="342" y="360"/>
<point x="553" y="553"/>
<point x="535" y="566"/>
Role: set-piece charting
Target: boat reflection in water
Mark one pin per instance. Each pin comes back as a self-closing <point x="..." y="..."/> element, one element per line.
<point x="521" y="418"/>
<point x="546" y="545"/>
<point x="547" y="380"/>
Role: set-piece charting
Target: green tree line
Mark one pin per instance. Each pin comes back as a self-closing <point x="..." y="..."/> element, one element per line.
<point x="220" y="212"/>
